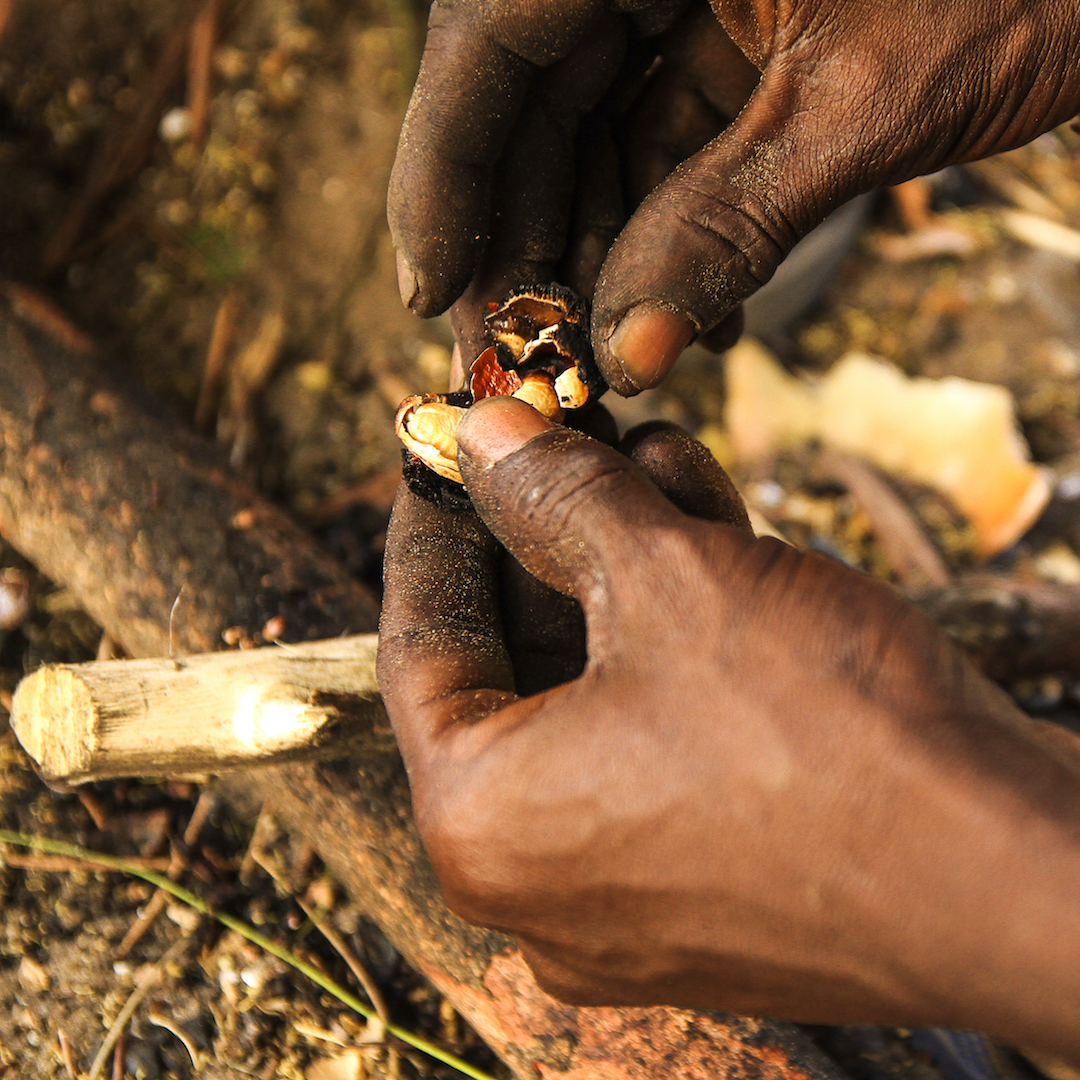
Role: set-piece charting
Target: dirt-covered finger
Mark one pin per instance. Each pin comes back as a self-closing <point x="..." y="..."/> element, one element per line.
<point x="714" y="232"/>
<point x="479" y="64"/>
<point x="534" y="181"/>
<point x="687" y="474"/>
<point x="575" y="513"/>
<point x="442" y="658"/>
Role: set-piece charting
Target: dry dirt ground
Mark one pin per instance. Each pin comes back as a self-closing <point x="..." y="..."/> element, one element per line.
<point x="273" y="229"/>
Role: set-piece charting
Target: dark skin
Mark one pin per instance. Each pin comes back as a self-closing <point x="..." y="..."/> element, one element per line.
<point x="533" y="132"/>
<point x="767" y="785"/>
<point x="774" y="787"/>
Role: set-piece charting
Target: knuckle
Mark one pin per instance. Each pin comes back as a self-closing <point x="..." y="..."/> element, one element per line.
<point x="754" y="233"/>
<point x="561" y="498"/>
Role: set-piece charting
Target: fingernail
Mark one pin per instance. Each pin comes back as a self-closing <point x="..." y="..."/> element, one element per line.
<point x="408" y="286"/>
<point x="496" y="427"/>
<point x="648" y="341"/>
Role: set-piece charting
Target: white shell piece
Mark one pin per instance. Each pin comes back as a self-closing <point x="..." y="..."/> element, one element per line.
<point x="538" y="391"/>
<point x="427" y="427"/>
<point x="573" y="393"/>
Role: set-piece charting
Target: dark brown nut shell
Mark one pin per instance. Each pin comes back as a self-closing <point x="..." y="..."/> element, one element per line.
<point x="545" y="327"/>
<point x="540" y="352"/>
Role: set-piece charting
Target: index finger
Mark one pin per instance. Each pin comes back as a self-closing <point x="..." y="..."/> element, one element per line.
<point x="479" y="60"/>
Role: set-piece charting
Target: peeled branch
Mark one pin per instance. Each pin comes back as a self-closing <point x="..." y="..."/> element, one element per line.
<point x="954" y="435"/>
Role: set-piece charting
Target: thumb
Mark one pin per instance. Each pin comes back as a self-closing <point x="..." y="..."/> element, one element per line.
<point x="716" y="230"/>
<point x="575" y="513"/>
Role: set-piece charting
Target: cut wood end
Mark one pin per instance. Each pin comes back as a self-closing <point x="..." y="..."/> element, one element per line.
<point x="53" y="716"/>
<point x="216" y="711"/>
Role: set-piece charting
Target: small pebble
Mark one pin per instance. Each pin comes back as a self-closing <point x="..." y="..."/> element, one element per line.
<point x="1058" y="563"/>
<point x="187" y="918"/>
<point x="175" y="125"/>
<point x="32" y="976"/>
<point x="14" y="598"/>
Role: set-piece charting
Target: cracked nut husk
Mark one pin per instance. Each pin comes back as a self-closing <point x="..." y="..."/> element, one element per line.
<point x="540" y="353"/>
<point x="426" y="424"/>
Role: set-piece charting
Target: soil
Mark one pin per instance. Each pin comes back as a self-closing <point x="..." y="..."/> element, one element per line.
<point x="279" y="219"/>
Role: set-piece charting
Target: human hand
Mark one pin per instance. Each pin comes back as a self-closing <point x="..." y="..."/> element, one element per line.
<point x="773" y="788"/>
<point x="507" y="172"/>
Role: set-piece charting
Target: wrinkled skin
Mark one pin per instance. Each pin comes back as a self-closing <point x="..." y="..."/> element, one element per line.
<point x="768" y="784"/>
<point x="533" y="132"/>
<point x="774" y="787"/>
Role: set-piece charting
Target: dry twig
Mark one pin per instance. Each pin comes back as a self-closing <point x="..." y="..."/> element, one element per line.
<point x="326" y="928"/>
<point x="909" y="551"/>
<point x="264" y="826"/>
<point x="204" y="807"/>
<point x="118" y="1071"/>
<point x="65" y="1053"/>
<point x="60" y="864"/>
<point x="92" y="805"/>
<point x="204" y="35"/>
<point x="912" y="201"/>
<point x="156" y="905"/>
<point x="221" y="339"/>
<point x="144" y="983"/>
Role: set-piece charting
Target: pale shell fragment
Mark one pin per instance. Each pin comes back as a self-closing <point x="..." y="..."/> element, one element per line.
<point x="537" y="390"/>
<point x="954" y="435"/>
<point x="572" y="392"/>
<point x="427" y="426"/>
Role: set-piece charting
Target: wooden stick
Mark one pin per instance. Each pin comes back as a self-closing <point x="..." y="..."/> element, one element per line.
<point x="221" y="339"/>
<point x="77" y="445"/>
<point x="99" y="721"/>
<point x="204" y="36"/>
<point x="908" y="549"/>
